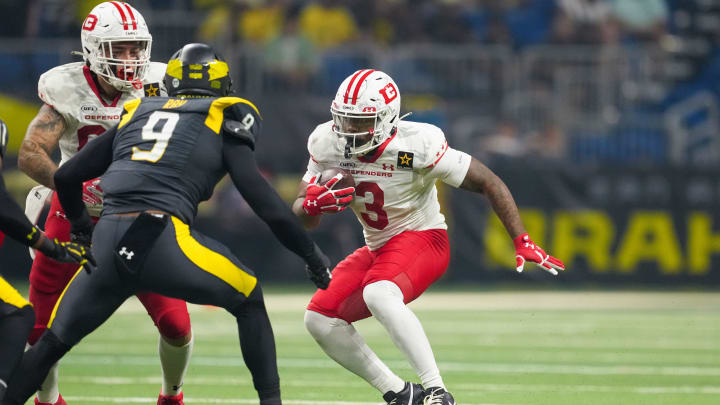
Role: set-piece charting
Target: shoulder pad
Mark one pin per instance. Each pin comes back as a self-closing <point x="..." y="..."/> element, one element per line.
<point x="3" y="138"/>
<point x="59" y="83"/>
<point x="323" y="144"/>
<point x="242" y="121"/>
<point x="153" y="84"/>
<point x="239" y="130"/>
<point x="428" y="145"/>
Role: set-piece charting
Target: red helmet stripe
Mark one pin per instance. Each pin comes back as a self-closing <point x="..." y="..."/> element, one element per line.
<point x="347" y="91"/>
<point x="131" y="14"/>
<point x="359" y="83"/>
<point x="122" y="13"/>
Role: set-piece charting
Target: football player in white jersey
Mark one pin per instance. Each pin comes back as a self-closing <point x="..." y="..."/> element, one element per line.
<point x="395" y="165"/>
<point x="81" y="101"/>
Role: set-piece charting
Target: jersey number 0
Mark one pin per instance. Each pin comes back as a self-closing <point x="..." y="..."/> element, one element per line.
<point x="164" y="122"/>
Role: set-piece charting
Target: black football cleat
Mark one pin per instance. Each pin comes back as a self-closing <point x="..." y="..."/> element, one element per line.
<point x="411" y="394"/>
<point x="437" y="396"/>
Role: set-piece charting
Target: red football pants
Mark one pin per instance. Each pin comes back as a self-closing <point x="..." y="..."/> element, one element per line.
<point x="49" y="278"/>
<point x="413" y="260"/>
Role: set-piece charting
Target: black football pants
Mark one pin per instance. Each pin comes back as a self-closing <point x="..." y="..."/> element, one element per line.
<point x="179" y="263"/>
<point x="16" y="322"/>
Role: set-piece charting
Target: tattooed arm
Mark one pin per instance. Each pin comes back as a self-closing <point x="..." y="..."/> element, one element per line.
<point x="480" y="179"/>
<point x="40" y="141"/>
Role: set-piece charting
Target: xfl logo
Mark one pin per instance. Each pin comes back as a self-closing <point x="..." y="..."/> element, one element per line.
<point x="389" y="93"/>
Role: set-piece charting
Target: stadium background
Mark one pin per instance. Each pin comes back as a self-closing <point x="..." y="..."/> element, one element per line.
<point x="602" y="116"/>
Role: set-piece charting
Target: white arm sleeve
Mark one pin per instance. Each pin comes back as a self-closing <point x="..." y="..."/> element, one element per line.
<point x="452" y="167"/>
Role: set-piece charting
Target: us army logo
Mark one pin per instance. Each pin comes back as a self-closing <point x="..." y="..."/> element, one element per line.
<point x="405" y="160"/>
<point x="152" y="90"/>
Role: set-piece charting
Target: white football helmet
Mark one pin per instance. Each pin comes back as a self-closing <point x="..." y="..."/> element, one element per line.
<point x="111" y="23"/>
<point x="365" y="111"/>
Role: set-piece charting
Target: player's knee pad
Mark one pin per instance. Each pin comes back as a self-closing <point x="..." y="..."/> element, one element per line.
<point x="381" y="293"/>
<point x="174" y="324"/>
<point x="16" y="326"/>
<point x="321" y="326"/>
<point x="27" y="318"/>
<point x="241" y="306"/>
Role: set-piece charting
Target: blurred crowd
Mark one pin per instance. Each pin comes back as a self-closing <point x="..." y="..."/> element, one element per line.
<point x="303" y="46"/>
<point x="330" y="23"/>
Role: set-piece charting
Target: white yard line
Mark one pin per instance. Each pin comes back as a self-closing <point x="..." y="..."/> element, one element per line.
<point x="504" y="368"/>
<point x="234" y="381"/>
<point x="521" y="300"/>
<point x="194" y="400"/>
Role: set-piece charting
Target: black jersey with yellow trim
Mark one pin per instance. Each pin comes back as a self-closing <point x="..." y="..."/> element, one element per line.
<point x="168" y="152"/>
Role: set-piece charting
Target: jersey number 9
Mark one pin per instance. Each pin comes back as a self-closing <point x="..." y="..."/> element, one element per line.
<point x="167" y="122"/>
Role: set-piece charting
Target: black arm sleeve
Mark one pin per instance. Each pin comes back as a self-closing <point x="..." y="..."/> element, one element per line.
<point x="90" y="162"/>
<point x="12" y="219"/>
<point x="264" y="200"/>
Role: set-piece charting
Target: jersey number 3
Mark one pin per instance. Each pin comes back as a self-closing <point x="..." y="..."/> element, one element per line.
<point x="159" y="128"/>
<point x="376" y="206"/>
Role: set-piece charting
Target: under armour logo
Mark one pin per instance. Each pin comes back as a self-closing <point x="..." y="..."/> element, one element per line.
<point x="391" y="167"/>
<point x="312" y="202"/>
<point x="128" y="255"/>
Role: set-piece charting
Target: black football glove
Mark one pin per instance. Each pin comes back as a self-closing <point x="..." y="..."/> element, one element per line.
<point x="318" y="269"/>
<point x="81" y="235"/>
<point x="68" y="252"/>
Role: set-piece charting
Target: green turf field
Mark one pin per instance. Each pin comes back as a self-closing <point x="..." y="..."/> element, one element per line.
<point x="539" y="348"/>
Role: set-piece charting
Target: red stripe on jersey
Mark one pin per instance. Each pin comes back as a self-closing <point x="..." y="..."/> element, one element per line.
<point x="313" y="159"/>
<point x="122" y="13"/>
<point x="379" y="151"/>
<point x="94" y="88"/>
<point x="444" y="149"/>
<point x="131" y="14"/>
<point x="359" y="83"/>
<point x="347" y="91"/>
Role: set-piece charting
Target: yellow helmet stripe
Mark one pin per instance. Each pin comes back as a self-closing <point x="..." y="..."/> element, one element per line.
<point x="174" y="68"/>
<point x="216" y="69"/>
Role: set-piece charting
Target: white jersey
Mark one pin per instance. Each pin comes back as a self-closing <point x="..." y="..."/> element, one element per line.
<point x="72" y="92"/>
<point x="395" y="186"/>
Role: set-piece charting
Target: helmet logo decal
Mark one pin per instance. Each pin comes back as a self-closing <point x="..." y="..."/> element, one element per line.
<point x="90" y="22"/>
<point x="369" y="109"/>
<point x="389" y="93"/>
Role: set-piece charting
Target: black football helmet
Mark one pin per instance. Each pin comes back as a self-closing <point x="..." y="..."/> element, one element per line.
<point x="197" y="70"/>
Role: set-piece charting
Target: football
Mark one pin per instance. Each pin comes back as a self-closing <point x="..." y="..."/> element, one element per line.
<point x="346" y="181"/>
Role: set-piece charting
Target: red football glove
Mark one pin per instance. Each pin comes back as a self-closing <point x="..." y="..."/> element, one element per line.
<point x="93" y="197"/>
<point x="320" y="199"/>
<point x="527" y="251"/>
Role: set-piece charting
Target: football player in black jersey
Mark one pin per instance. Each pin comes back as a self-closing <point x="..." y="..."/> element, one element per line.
<point x="163" y="158"/>
<point x="16" y="314"/>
